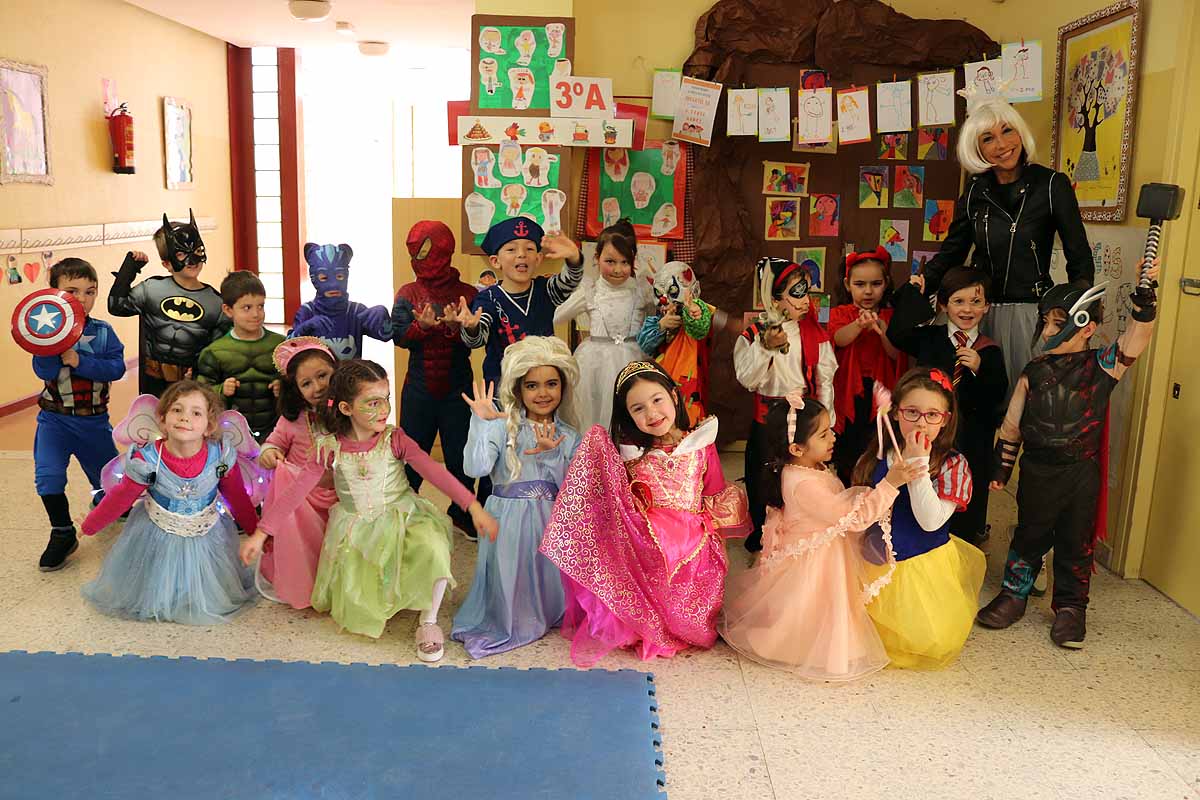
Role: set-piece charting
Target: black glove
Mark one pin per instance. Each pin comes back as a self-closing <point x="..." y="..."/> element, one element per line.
<point x="1145" y="303"/>
<point x="1004" y="459"/>
<point x="123" y="278"/>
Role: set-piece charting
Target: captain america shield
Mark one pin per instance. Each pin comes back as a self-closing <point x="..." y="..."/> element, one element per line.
<point x="48" y="322"/>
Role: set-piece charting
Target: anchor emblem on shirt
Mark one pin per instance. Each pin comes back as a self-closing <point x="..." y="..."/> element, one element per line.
<point x="511" y="332"/>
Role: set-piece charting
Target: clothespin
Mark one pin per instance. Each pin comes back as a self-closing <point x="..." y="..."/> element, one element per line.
<point x="1022" y="41"/>
<point x="893" y="77"/>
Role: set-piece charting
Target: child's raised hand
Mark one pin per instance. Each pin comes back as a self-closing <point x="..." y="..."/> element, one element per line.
<point x="252" y="548"/>
<point x="544" y="436"/>
<point x="482" y="403"/>
<point x="69" y="358"/>
<point x="919" y="282"/>
<point x="139" y="256"/>
<point x="670" y="320"/>
<point x="426" y="318"/>
<point x="968" y="357"/>
<point x="775" y="337"/>
<point x="904" y="471"/>
<point x="230" y="386"/>
<point x="693" y="309"/>
<point x="485" y="523"/>
<point x="1151" y="271"/>
<point x="270" y="458"/>
<point x="465" y="317"/>
<point x="917" y="445"/>
<point x="560" y="247"/>
<point x="276" y="387"/>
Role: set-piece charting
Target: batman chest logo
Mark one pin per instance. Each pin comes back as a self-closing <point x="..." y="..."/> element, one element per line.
<point x="181" y="308"/>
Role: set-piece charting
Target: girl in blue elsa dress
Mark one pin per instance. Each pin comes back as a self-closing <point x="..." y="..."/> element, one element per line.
<point x="517" y="593"/>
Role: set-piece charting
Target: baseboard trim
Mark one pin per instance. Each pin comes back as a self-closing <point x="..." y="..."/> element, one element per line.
<point x="22" y="403"/>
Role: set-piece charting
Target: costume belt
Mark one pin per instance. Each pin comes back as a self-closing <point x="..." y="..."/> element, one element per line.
<point x="526" y="490"/>
<point x="185" y="525"/>
<point x="58" y="407"/>
<point x="166" y="370"/>
<point x="762" y="405"/>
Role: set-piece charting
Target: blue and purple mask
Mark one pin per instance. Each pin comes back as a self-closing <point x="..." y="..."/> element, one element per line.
<point x="329" y="271"/>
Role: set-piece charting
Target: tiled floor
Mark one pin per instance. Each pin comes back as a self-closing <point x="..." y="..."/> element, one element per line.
<point x="1014" y="718"/>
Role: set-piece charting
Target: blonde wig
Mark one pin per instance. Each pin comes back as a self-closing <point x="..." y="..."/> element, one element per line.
<point x="519" y="358"/>
<point x="982" y="119"/>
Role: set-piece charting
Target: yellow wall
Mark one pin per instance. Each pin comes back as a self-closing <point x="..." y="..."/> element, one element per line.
<point x="81" y="42"/>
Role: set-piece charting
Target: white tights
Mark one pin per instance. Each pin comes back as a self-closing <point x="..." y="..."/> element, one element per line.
<point x="439" y="591"/>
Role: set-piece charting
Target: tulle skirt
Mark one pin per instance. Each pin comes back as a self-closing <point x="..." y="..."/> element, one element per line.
<point x="925" y="614"/>
<point x="517" y="594"/>
<point x="371" y="569"/>
<point x="153" y="575"/>
<point x="805" y="613"/>
<point x="599" y="363"/>
<point x="291" y="557"/>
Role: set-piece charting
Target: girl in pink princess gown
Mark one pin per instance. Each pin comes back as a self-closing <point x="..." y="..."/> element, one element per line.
<point x="803" y="606"/>
<point x="637" y="531"/>
<point x="289" y="559"/>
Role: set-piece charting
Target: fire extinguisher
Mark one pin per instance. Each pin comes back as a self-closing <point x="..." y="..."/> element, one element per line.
<point x="120" y="131"/>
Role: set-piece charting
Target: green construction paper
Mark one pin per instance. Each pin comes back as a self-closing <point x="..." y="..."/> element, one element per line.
<point x="532" y="207"/>
<point x="541" y="65"/>
<point x="639" y="161"/>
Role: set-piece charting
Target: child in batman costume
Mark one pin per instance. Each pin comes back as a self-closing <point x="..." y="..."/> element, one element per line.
<point x="180" y="314"/>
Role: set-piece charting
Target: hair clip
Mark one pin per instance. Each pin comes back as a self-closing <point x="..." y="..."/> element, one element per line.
<point x="878" y="254"/>
<point x="795" y="400"/>
<point x="329" y="402"/>
<point x="939" y="377"/>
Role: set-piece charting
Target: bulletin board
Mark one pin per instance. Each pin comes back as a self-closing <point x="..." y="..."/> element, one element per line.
<point x="638" y="185"/>
<point x="509" y="53"/>
<point x="529" y="189"/>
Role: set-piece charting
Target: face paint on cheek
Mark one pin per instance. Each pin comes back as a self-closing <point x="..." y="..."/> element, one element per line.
<point x="374" y="409"/>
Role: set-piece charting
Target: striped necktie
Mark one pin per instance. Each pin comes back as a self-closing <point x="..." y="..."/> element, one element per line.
<point x="960" y="340"/>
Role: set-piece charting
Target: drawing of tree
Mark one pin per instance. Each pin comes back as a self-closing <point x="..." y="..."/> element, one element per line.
<point x="1099" y="82"/>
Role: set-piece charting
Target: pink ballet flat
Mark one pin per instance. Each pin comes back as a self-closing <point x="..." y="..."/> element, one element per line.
<point x="430" y="642"/>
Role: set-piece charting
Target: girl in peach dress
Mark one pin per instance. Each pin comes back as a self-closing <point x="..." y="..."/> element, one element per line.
<point x="802" y="607"/>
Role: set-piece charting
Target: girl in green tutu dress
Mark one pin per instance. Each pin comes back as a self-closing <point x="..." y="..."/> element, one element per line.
<point x="386" y="549"/>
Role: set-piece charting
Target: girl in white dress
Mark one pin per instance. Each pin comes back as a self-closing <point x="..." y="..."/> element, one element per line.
<point x="611" y="305"/>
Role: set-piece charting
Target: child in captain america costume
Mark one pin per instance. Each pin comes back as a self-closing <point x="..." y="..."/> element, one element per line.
<point x="73" y="420"/>
<point x="439" y="363"/>
<point x="1059" y="412"/>
<point x="331" y="315"/>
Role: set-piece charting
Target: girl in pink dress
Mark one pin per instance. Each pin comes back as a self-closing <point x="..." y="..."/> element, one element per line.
<point x="802" y="607"/>
<point x="289" y="560"/>
<point x="637" y="532"/>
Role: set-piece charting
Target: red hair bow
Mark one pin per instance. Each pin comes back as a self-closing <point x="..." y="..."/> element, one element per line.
<point x="879" y="254"/>
<point x="939" y="377"/>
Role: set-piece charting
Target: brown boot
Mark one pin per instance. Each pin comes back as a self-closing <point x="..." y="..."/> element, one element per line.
<point x="1070" y="626"/>
<point x="1005" y="609"/>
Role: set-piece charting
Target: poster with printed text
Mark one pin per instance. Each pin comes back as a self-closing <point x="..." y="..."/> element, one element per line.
<point x="1021" y="68"/>
<point x="741" y="112"/>
<point x="774" y="114"/>
<point x="696" y="111"/>
<point x="935" y="98"/>
<point x="893" y="106"/>
<point x="854" y="115"/>
<point x="515" y="59"/>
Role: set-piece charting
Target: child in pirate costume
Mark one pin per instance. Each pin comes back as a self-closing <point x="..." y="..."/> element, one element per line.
<point x="523" y="303"/>
<point x="73" y="420"/>
<point x="785" y="350"/>
<point x="331" y="316"/>
<point x="976" y="363"/>
<point x="1059" y="412"/>
<point x="439" y="364"/>
<point x="180" y="314"/>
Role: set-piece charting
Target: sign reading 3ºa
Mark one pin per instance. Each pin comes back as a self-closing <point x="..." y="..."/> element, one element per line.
<point x="575" y="96"/>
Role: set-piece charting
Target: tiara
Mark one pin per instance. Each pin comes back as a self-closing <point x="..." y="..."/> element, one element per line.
<point x="635" y="368"/>
<point x="290" y="348"/>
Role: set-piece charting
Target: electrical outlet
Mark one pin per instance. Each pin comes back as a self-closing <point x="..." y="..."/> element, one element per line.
<point x="1175" y="391"/>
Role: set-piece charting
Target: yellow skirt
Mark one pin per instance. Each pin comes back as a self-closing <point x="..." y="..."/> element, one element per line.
<point x="925" y="613"/>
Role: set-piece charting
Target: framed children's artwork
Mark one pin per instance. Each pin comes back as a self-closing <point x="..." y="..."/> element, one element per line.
<point x="812" y="261"/>
<point x="1095" y="94"/>
<point x="854" y="115"/>
<point x="647" y="186"/>
<point x="893" y="146"/>
<point x="893" y="106"/>
<point x="873" y="187"/>
<point x="774" y="114"/>
<point x="785" y="179"/>
<point x="782" y="219"/>
<point x="919" y="259"/>
<point x="814" y="117"/>
<point x="741" y="112"/>
<point x="984" y="76"/>
<point x="1021" y="69"/>
<point x="938" y="216"/>
<point x="824" y="212"/>
<point x="177" y="143"/>
<point x="933" y="144"/>
<point x="893" y="236"/>
<point x="24" y="124"/>
<point x="935" y="98"/>
<point x="496" y="185"/>
<point x="514" y="59"/>
<point x="908" y="190"/>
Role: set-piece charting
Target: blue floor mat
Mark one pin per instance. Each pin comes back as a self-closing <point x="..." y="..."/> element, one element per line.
<point x="75" y="726"/>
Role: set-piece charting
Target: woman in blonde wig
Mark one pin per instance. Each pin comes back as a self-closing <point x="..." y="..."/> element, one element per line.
<point x="517" y="594"/>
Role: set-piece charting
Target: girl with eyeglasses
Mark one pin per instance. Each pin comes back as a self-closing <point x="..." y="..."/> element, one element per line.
<point x="925" y="613"/>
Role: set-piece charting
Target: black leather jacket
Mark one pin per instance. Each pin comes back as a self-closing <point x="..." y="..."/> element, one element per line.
<point x="1014" y="247"/>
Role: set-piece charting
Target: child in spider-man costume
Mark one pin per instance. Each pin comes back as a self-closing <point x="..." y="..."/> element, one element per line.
<point x="331" y="316"/>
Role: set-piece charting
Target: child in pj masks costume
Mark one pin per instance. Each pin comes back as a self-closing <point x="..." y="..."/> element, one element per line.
<point x="331" y="316"/>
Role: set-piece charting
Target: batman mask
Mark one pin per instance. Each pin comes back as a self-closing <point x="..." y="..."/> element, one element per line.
<point x="182" y="246"/>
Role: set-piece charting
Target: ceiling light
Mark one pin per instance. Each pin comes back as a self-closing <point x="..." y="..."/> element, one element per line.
<point x="373" y="48"/>
<point x="310" y="10"/>
<point x="345" y="28"/>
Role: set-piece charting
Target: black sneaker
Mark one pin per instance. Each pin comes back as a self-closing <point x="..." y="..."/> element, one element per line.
<point x="62" y="544"/>
<point x="1070" y="628"/>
